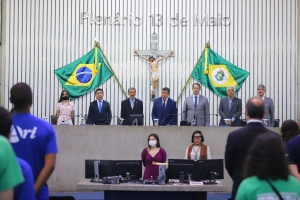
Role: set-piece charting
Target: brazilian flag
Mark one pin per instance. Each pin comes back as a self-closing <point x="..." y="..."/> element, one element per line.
<point x="84" y="74"/>
<point x="216" y="73"/>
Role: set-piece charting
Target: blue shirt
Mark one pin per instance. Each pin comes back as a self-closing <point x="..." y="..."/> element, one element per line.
<point x="32" y="139"/>
<point x="293" y="151"/>
<point x="25" y="191"/>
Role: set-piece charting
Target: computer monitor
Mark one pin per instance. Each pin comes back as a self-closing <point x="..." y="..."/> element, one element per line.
<point x="105" y="168"/>
<point x="102" y="122"/>
<point x="139" y="118"/>
<point x="205" y="169"/>
<point x="184" y="123"/>
<point x="134" y="167"/>
<point x="178" y="166"/>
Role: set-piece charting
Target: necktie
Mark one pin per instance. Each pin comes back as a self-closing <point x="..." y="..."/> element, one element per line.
<point x="195" y="103"/>
<point x="100" y="106"/>
<point x="164" y="104"/>
<point x="230" y="102"/>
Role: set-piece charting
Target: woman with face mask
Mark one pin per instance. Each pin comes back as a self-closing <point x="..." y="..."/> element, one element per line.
<point x="64" y="109"/>
<point x="153" y="153"/>
<point x="198" y="150"/>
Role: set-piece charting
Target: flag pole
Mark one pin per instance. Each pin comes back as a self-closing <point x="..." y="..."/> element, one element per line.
<point x="207" y="45"/>
<point x="108" y="64"/>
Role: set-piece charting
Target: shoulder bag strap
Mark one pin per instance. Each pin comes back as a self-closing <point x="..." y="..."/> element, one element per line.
<point x="275" y="190"/>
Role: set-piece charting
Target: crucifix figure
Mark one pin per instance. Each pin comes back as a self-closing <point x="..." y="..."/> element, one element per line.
<point x="153" y="62"/>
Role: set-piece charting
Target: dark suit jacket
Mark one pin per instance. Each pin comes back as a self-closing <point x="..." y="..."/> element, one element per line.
<point x="238" y="144"/>
<point x="126" y="110"/>
<point x="235" y="111"/>
<point x="159" y="113"/>
<point x="94" y="114"/>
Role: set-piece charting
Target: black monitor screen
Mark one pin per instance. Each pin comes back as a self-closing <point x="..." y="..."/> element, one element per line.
<point x="134" y="167"/>
<point x="139" y="118"/>
<point x="102" y="122"/>
<point x="206" y="167"/>
<point x="177" y="166"/>
<point x="105" y="168"/>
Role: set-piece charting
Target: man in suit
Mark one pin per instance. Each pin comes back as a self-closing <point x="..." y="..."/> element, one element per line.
<point x="99" y="109"/>
<point x="269" y="106"/>
<point x="230" y="108"/>
<point x="131" y="106"/>
<point x="196" y="108"/>
<point x="239" y="141"/>
<point x="164" y="109"/>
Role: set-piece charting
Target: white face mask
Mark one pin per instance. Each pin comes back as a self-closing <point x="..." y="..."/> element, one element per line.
<point x="152" y="143"/>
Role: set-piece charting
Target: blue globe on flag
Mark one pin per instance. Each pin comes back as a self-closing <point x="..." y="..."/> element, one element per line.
<point x="84" y="74"/>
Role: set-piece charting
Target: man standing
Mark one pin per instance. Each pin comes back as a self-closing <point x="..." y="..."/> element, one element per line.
<point x="164" y="109"/>
<point x="99" y="109"/>
<point x="196" y="108"/>
<point x="33" y="139"/>
<point x="269" y="106"/>
<point x="230" y="108"/>
<point x="24" y="190"/>
<point x="131" y="106"/>
<point x="239" y="141"/>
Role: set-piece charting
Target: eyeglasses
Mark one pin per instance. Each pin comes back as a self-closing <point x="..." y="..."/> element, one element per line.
<point x="197" y="137"/>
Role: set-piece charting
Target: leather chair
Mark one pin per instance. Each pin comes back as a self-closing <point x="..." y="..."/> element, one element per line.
<point x="53" y="119"/>
<point x="276" y="122"/>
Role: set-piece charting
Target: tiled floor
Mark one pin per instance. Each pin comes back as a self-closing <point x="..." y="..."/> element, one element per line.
<point x="100" y="195"/>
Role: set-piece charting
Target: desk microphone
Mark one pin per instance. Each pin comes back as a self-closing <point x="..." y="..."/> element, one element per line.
<point x="171" y="115"/>
<point x="120" y="120"/>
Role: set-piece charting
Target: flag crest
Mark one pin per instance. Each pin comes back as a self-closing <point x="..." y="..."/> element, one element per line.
<point x="216" y="73"/>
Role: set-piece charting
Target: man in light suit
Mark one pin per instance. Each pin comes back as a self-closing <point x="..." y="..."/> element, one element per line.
<point x="230" y="108"/>
<point x="269" y="106"/>
<point x="196" y="107"/>
<point x="240" y="140"/>
<point x="164" y="109"/>
<point x="131" y="106"/>
<point x="99" y="109"/>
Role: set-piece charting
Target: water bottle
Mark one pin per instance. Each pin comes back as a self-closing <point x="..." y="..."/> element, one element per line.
<point x="127" y="176"/>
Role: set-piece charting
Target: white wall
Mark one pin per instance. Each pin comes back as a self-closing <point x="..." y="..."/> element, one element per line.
<point x="41" y="36"/>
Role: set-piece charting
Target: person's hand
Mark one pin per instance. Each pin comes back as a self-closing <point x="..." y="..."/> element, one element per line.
<point x="156" y="125"/>
<point x="171" y="53"/>
<point x="135" y="52"/>
<point x="229" y="122"/>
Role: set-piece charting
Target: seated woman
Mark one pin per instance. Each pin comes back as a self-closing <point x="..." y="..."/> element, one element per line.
<point x="198" y="150"/>
<point x="153" y="153"/>
<point x="266" y="172"/>
<point x="64" y="109"/>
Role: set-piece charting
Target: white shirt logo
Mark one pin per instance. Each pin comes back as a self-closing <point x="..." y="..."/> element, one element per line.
<point x="14" y="138"/>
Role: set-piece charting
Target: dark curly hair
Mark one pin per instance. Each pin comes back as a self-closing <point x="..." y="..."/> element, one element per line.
<point x="266" y="158"/>
<point x="289" y="130"/>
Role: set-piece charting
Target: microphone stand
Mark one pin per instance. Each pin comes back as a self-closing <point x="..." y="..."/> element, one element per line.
<point x="171" y="115"/>
<point x="120" y="120"/>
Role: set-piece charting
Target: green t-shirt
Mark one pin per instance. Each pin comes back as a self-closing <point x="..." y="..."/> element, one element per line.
<point x="254" y="188"/>
<point x="10" y="171"/>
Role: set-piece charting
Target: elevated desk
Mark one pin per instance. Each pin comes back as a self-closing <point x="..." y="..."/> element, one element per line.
<point x="150" y="192"/>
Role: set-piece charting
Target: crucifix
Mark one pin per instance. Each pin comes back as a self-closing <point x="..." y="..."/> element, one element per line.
<point x="153" y="53"/>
